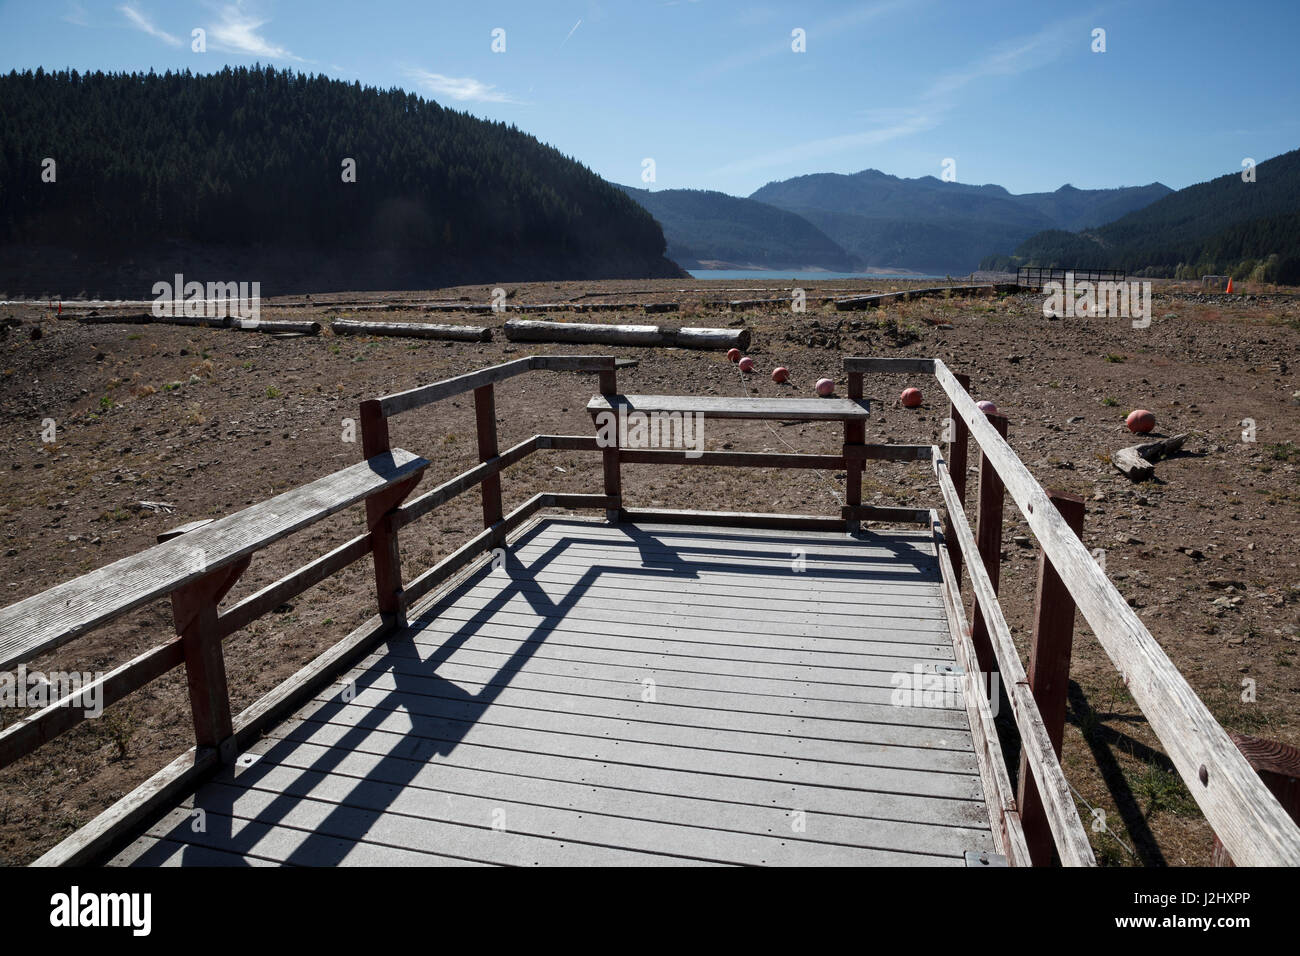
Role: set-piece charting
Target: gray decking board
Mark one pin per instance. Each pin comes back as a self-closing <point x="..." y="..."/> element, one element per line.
<point x="510" y="724"/>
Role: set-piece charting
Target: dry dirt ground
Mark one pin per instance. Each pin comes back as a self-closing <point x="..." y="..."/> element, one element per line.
<point x="208" y="421"/>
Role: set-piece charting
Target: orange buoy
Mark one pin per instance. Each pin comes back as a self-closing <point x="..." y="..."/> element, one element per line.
<point x="1140" y="421"/>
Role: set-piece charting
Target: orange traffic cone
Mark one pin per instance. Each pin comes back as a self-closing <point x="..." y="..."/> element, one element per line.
<point x="1229" y="289"/>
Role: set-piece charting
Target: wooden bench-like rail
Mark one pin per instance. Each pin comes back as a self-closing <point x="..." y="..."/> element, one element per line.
<point x="772" y="409"/>
<point x="51" y="618"/>
<point x="196" y="565"/>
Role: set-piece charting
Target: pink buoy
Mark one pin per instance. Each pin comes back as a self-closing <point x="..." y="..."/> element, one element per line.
<point x="1140" y="421"/>
<point x="987" y="407"/>
<point x="780" y="373"/>
<point x="825" y="387"/>
<point x="733" y="354"/>
<point x="911" y="398"/>
<point x="747" y="364"/>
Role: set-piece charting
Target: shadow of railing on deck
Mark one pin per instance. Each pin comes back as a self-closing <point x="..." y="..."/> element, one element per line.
<point x="429" y="716"/>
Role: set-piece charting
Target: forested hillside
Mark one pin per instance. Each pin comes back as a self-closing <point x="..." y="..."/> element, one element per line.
<point x="150" y="168"/>
<point x="938" y="226"/>
<point x="1226" y="226"/>
<point x="704" y="227"/>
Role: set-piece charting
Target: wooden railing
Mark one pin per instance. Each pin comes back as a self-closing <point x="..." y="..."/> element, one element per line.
<point x="1032" y="821"/>
<point x="1246" y="817"/>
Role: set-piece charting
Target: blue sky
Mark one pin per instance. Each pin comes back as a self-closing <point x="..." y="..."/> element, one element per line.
<point x="713" y="92"/>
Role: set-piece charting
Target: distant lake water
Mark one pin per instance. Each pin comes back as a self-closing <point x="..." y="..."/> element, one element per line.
<point x="796" y="274"/>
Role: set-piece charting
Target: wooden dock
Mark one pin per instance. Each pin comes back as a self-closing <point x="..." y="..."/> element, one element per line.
<point x="627" y="694"/>
<point x="653" y="687"/>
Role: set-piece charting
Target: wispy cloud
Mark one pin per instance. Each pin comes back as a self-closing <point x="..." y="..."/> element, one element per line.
<point x="780" y="44"/>
<point x="1017" y="56"/>
<point x="571" y="33"/>
<point x="461" y="88"/>
<point x="905" y="125"/>
<point x="238" y="32"/>
<point x="141" y="22"/>
<point x="930" y="108"/>
<point x="76" y="15"/>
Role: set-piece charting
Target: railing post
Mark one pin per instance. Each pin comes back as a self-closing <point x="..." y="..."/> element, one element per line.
<point x="485" y="419"/>
<point x="1049" y="676"/>
<point x="958" y="443"/>
<point x="1278" y="766"/>
<point x="383" y="534"/>
<point x="988" y="539"/>
<point x="855" y="433"/>
<point x="194" y="613"/>
<point x="613" y="477"/>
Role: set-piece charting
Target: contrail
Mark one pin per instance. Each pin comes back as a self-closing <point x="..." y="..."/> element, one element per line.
<point x="571" y="32"/>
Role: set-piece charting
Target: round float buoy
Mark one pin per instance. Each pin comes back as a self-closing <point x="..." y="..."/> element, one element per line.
<point x="987" y="407"/>
<point x="911" y="398"/>
<point x="733" y="354"/>
<point x="780" y="374"/>
<point x="825" y="387"/>
<point x="1140" y="421"/>
<point x="747" y="364"/>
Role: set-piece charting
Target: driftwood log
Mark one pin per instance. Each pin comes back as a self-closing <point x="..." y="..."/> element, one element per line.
<point x="1137" y="462"/>
<point x="588" y="333"/>
<point x="272" y="326"/>
<point x="417" y="330"/>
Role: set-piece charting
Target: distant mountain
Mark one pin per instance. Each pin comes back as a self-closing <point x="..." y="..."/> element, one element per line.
<point x="935" y="226"/>
<point x="242" y="173"/>
<point x="1224" y="226"/>
<point x="706" y="229"/>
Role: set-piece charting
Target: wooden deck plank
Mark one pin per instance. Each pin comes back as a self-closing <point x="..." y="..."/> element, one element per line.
<point x="394" y="732"/>
<point x="678" y="537"/>
<point x="634" y="588"/>
<point x="667" y="825"/>
<point x="324" y="829"/>
<point x="768" y="580"/>
<point x="155" y="851"/>
<point x="522" y="693"/>
<point x="439" y="719"/>
<point x="822" y="591"/>
<point x="628" y="685"/>
<point x="470" y="765"/>
<point x="893" y="658"/>
<point x="745" y="626"/>
<point x="874" y="688"/>
<point x="711" y="728"/>
<point x="565" y="646"/>
<point x="816" y="556"/>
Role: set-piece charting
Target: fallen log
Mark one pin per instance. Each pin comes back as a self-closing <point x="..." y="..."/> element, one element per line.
<point x="417" y="330"/>
<point x="1137" y="462"/>
<point x="272" y="326"/>
<point x="209" y="321"/>
<point x="588" y="333"/>
<point x="132" y="318"/>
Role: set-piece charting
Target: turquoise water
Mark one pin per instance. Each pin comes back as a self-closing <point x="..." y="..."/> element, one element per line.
<point x="796" y="274"/>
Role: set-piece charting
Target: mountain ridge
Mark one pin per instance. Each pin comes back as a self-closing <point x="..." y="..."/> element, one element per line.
<point x="927" y="223"/>
<point x="1225" y="225"/>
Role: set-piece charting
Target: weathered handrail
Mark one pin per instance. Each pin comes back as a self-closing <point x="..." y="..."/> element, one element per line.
<point x="1071" y="839"/>
<point x="195" y="569"/>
